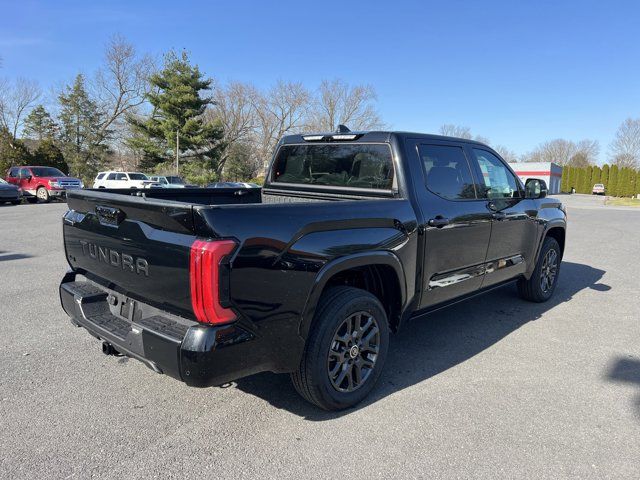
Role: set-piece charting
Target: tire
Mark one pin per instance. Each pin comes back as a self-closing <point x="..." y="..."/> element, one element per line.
<point x="42" y="195"/>
<point x="537" y="289"/>
<point x="328" y="372"/>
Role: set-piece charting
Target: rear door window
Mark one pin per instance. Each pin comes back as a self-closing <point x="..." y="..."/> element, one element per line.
<point x="137" y="176"/>
<point x="447" y="172"/>
<point x="367" y="166"/>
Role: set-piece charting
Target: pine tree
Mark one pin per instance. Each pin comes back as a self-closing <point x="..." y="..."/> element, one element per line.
<point x="613" y="181"/>
<point x="82" y="137"/>
<point x="39" y="125"/>
<point x="572" y="178"/>
<point x="634" y="182"/>
<point x="587" y="185"/>
<point x="49" y="155"/>
<point x="564" y="182"/>
<point x="177" y="121"/>
<point x="12" y="151"/>
<point x="604" y="178"/>
<point x="637" y="192"/>
<point x="596" y="177"/>
<point x="580" y="180"/>
<point x="623" y="180"/>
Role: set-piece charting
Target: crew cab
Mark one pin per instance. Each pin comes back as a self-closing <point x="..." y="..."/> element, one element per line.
<point x="42" y="183"/>
<point x="123" y="180"/>
<point x="353" y="235"/>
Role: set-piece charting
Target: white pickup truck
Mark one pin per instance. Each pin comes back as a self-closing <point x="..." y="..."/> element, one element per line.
<point x="123" y="180"/>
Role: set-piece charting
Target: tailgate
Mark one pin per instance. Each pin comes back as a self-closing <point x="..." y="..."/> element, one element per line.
<point x="137" y="246"/>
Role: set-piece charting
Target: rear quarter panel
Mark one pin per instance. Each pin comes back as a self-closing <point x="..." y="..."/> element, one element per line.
<point x="284" y="247"/>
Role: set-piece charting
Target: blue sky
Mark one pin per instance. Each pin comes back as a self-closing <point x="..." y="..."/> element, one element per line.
<point x="517" y="73"/>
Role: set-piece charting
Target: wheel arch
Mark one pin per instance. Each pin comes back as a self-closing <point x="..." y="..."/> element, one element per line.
<point x="558" y="233"/>
<point x="380" y="273"/>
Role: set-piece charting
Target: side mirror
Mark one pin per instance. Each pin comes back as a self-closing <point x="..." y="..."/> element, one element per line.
<point x="535" y="188"/>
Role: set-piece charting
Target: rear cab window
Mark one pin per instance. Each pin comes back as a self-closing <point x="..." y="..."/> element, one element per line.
<point x="350" y="166"/>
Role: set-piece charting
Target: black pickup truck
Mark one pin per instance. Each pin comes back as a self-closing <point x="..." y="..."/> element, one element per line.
<point x="352" y="235"/>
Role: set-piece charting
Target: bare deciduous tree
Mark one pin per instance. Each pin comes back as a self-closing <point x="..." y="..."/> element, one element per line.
<point x="458" y="131"/>
<point x="278" y="112"/>
<point x="586" y="154"/>
<point x="234" y="109"/>
<point x="559" y="151"/>
<point x="565" y="152"/>
<point x="339" y="103"/>
<point x="625" y="148"/>
<point x="121" y="84"/>
<point x="507" y="155"/>
<point x="450" y="130"/>
<point x="16" y="98"/>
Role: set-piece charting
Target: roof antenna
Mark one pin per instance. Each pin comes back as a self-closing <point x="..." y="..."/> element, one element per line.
<point x="342" y="129"/>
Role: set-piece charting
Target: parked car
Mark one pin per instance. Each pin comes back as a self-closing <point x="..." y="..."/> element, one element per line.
<point x="598" y="189"/>
<point x="232" y="185"/>
<point x="171" y="181"/>
<point x="10" y="193"/>
<point x="352" y="235"/>
<point x="224" y="185"/>
<point x="42" y="183"/>
<point x="123" y="180"/>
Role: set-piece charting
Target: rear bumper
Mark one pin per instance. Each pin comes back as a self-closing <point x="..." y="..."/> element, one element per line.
<point x="196" y="354"/>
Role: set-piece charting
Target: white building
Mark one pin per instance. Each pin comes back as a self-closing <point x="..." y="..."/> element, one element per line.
<point x="547" y="171"/>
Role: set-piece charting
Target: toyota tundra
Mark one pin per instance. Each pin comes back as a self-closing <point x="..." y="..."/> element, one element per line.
<point x="353" y="235"/>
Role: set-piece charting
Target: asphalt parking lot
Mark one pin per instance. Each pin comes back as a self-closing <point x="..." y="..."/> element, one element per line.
<point x="494" y="387"/>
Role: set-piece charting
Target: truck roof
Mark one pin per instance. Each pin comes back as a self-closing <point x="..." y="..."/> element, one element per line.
<point x="374" y="136"/>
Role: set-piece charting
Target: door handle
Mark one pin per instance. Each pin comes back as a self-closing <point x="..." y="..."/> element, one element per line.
<point x="438" y="222"/>
<point x="499" y="215"/>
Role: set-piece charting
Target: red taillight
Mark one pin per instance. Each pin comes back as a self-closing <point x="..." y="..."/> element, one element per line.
<point x="204" y="271"/>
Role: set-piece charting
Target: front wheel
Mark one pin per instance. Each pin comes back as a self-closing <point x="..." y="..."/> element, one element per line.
<point x="542" y="283"/>
<point x="345" y="351"/>
<point x="43" y="195"/>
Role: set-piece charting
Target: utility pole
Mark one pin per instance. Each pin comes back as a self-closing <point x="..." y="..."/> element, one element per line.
<point x="178" y="151"/>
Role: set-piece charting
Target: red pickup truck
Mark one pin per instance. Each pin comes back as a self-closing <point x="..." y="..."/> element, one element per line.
<point x="41" y="183"/>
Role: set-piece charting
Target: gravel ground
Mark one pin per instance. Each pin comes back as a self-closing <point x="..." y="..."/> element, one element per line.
<point x="494" y="387"/>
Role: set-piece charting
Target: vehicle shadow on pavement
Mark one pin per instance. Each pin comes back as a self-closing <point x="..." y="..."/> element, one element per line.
<point x="5" y="257"/>
<point x="437" y="342"/>
<point x="627" y="370"/>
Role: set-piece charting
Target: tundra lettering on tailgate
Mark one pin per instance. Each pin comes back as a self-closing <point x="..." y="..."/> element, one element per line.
<point x="114" y="258"/>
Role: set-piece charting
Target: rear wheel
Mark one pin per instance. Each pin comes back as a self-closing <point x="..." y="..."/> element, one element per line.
<point x="346" y="349"/>
<point x="541" y="285"/>
<point x="42" y="195"/>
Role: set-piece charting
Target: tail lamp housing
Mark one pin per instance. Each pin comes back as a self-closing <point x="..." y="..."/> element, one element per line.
<point x="206" y="284"/>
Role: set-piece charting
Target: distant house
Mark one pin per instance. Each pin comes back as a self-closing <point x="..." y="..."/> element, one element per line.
<point x="548" y="171"/>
